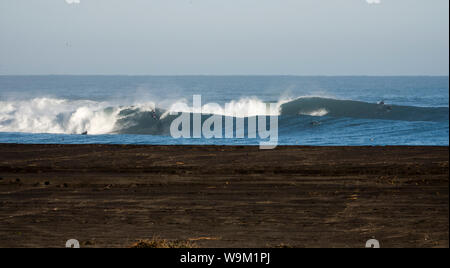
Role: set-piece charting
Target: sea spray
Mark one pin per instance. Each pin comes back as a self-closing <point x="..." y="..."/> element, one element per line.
<point x="63" y="116"/>
<point x="212" y="127"/>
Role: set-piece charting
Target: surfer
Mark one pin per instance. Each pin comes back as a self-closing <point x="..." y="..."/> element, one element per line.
<point x="84" y="133"/>
<point x="384" y="107"/>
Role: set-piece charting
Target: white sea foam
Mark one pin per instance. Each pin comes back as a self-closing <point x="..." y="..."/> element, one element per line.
<point x="319" y="112"/>
<point x="59" y="116"/>
<point x="245" y="107"/>
<point x="47" y="115"/>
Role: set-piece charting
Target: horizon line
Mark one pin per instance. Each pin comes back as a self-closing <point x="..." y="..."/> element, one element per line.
<point x="248" y="75"/>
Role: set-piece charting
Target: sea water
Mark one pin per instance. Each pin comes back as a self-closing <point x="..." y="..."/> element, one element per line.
<point x="310" y="110"/>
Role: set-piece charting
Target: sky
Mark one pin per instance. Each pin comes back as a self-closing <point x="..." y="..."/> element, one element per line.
<point x="224" y="37"/>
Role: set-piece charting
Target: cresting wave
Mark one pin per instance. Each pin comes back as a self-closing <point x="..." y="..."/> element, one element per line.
<point x="47" y="115"/>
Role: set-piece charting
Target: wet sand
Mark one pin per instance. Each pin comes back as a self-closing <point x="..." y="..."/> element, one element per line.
<point x="112" y="196"/>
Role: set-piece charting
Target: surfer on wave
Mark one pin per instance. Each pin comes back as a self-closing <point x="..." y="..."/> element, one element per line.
<point x="384" y="107"/>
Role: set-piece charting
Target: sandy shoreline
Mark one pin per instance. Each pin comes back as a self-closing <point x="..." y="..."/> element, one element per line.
<point x="111" y="196"/>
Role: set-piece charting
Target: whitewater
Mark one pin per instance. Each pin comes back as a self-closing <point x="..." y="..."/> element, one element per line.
<point x="310" y="110"/>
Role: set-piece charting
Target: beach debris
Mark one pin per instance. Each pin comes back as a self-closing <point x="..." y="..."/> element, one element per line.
<point x="282" y="245"/>
<point x="88" y="243"/>
<point x="162" y="243"/>
<point x="204" y="238"/>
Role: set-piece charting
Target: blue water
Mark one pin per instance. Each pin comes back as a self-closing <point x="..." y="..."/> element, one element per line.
<point x="312" y="110"/>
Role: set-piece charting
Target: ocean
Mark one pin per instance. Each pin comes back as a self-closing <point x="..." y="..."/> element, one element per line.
<point x="310" y="110"/>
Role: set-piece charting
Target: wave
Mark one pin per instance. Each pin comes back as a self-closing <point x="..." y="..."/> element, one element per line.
<point x="363" y="110"/>
<point x="46" y="115"/>
<point x="59" y="116"/>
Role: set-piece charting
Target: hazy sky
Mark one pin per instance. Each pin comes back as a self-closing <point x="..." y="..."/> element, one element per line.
<point x="175" y="37"/>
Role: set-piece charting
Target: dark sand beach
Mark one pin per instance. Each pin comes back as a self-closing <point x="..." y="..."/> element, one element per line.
<point x="112" y="196"/>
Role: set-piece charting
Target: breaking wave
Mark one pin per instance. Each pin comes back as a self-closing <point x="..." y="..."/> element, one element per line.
<point x="48" y="115"/>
